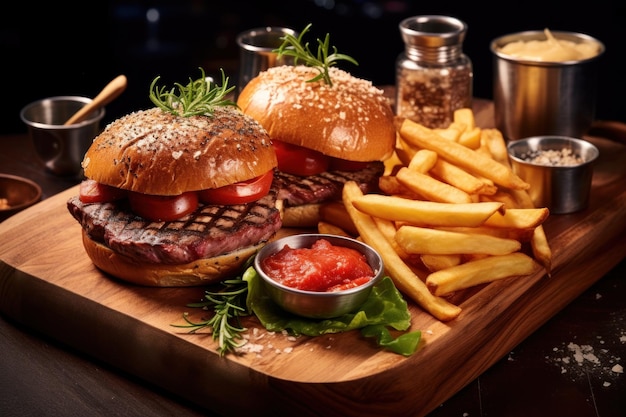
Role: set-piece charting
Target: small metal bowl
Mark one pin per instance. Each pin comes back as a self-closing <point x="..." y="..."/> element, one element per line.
<point x="17" y="193"/>
<point x="560" y="188"/>
<point x="312" y="304"/>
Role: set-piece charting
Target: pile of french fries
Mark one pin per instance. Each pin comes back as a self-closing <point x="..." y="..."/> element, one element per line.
<point x="452" y="214"/>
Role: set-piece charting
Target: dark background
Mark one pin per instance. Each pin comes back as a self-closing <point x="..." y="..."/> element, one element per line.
<point x="53" y="49"/>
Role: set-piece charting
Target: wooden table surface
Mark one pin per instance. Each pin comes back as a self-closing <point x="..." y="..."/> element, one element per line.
<point x="545" y="375"/>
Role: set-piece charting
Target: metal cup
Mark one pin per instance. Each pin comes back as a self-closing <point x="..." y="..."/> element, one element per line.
<point x="256" y="52"/>
<point x="543" y="98"/>
<point x="562" y="189"/>
<point x="61" y="148"/>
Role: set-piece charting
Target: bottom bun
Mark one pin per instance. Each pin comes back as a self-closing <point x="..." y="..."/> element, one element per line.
<point x="305" y="215"/>
<point x="200" y="272"/>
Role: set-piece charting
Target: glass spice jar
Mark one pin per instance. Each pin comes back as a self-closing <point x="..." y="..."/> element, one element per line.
<point x="433" y="75"/>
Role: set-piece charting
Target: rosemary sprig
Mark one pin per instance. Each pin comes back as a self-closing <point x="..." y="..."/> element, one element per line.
<point x="228" y="306"/>
<point x="321" y="61"/>
<point x="198" y="97"/>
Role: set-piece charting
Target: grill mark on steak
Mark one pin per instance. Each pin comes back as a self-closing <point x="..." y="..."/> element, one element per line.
<point x="296" y="190"/>
<point x="210" y="231"/>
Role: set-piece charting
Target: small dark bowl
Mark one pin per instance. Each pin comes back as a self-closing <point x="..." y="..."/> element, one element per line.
<point x="312" y="304"/>
<point x="19" y="192"/>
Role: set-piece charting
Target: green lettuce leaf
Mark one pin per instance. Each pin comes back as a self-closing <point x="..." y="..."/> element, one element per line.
<point x="384" y="308"/>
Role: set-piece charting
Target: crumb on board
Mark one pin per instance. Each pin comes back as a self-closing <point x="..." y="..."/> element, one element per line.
<point x="257" y="341"/>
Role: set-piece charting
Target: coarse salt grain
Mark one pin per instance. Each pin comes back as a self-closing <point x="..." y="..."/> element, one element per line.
<point x="582" y="360"/>
<point x="553" y="157"/>
<point x="252" y="339"/>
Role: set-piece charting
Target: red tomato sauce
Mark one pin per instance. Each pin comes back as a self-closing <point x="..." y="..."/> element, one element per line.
<point x="323" y="267"/>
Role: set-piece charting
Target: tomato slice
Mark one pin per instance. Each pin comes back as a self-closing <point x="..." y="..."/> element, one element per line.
<point x="297" y="160"/>
<point x="163" y="208"/>
<point x="91" y="191"/>
<point x="337" y="164"/>
<point x="239" y="193"/>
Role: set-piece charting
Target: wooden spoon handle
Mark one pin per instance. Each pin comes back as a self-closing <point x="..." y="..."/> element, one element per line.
<point x="108" y="93"/>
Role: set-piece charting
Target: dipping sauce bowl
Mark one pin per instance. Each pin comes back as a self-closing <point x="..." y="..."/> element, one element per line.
<point x="557" y="181"/>
<point x="318" y="304"/>
<point x="16" y="194"/>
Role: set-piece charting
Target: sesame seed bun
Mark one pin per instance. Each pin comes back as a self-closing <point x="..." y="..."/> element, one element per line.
<point x="350" y="120"/>
<point x="158" y="153"/>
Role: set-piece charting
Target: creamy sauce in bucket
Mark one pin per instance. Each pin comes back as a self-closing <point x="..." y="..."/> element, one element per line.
<point x="551" y="49"/>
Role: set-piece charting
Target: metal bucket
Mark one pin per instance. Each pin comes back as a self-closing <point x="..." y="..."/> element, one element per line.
<point x="543" y="98"/>
<point x="61" y="148"/>
<point x="562" y="189"/>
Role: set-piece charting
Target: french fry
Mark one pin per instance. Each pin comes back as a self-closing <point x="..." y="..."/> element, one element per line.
<point x="518" y="218"/>
<point x="522" y="199"/>
<point x="494" y="141"/>
<point x="336" y="214"/>
<point x="541" y="249"/>
<point x="403" y="277"/>
<point x="423" y="161"/>
<point x="331" y="229"/>
<point x="522" y="235"/>
<point x="425" y="241"/>
<point x="504" y="197"/>
<point x="475" y="162"/>
<point x="425" y="212"/>
<point x="469" y="257"/>
<point x="390" y="185"/>
<point x="388" y="229"/>
<point x="484" y="152"/>
<point x="539" y="242"/>
<point x="464" y="116"/>
<point x="405" y="150"/>
<point x="391" y="163"/>
<point x="461" y="179"/>
<point x="453" y="132"/>
<point x="404" y="156"/>
<point x="470" y="138"/>
<point x="481" y="271"/>
<point x="430" y="188"/>
<point x="439" y="262"/>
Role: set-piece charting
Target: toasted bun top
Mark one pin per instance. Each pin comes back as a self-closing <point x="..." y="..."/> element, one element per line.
<point x="155" y="152"/>
<point x="351" y="119"/>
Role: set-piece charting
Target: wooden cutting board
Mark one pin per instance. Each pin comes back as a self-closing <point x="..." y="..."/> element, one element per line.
<point x="47" y="283"/>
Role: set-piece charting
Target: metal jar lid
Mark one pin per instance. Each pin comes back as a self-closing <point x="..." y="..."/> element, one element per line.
<point x="432" y="31"/>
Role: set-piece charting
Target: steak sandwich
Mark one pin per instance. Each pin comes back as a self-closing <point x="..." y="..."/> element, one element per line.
<point x="178" y="196"/>
<point x="327" y="126"/>
<point x="324" y="134"/>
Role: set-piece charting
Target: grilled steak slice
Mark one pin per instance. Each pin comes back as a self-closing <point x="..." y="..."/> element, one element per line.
<point x="295" y="190"/>
<point x="210" y="231"/>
